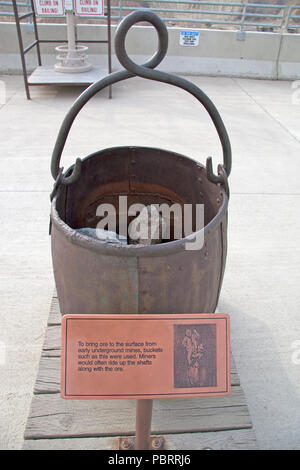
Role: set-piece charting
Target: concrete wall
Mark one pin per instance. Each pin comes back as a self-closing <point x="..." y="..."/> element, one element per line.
<point x="260" y="55"/>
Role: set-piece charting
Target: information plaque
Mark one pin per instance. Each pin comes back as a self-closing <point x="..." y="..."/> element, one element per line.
<point x="145" y="356"/>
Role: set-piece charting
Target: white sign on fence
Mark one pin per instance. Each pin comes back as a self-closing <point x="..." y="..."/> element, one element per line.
<point x="49" y="8"/>
<point x="89" y="8"/>
<point x="189" y="38"/>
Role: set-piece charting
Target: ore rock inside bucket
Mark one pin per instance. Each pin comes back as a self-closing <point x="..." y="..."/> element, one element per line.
<point x="103" y="235"/>
<point x="148" y="228"/>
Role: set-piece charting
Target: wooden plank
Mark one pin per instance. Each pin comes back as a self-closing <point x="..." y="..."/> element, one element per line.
<point x="51" y="353"/>
<point x="240" y="439"/>
<point x="52" y="338"/>
<point x="52" y="417"/>
<point x="48" y="378"/>
<point x="54" y="315"/>
<point x="92" y="423"/>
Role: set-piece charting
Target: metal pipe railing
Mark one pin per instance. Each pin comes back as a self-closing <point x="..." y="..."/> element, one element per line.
<point x="242" y="15"/>
<point x="293" y="19"/>
<point x="229" y="4"/>
<point x="9" y="4"/>
<point x="25" y="13"/>
<point x="204" y="12"/>
<point x="238" y="18"/>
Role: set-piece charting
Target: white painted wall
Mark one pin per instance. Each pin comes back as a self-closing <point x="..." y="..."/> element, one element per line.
<point x="260" y="55"/>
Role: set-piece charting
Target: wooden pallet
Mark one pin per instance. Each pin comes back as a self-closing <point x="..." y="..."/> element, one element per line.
<point x="55" y="423"/>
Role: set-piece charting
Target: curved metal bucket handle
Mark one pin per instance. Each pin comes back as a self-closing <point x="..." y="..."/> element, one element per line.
<point x="146" y="71"/>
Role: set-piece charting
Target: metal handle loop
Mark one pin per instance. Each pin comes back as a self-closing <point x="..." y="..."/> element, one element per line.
<point x="122" y="31"/>
<point x="143" y="71"/>
<point x="146" y="71"/>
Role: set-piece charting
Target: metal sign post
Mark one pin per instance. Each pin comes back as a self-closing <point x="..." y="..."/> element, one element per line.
<point x="143" y="424"/>
<point x="72" y="57"/>
<point x="143" y="439"/>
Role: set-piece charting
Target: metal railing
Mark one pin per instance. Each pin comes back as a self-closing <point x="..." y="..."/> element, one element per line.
<point x="241" y="16"/>
<point x="24" y="9"/>
<point x="22" y="5"/>
<point x="293" y="20"/>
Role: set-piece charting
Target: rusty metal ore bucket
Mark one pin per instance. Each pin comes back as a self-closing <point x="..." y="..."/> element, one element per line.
<point x="94" y="276"/>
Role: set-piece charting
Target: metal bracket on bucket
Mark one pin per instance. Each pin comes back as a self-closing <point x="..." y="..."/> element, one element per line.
<point x="145" y="71"/>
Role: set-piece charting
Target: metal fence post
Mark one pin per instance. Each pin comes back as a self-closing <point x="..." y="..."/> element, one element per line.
<point x="241" y="34"/>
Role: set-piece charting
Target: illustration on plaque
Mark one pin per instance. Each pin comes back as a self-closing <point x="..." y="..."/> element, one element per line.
<point x="195" y="356"/>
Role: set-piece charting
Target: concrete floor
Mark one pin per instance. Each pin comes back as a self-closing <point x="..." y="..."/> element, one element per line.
<point x="261" y="284"/>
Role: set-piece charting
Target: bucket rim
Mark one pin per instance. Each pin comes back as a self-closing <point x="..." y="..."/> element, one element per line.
<point x="140" y="147"/>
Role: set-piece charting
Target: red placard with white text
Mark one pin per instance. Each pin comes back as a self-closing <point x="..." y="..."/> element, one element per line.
<point x="145" y="356"/>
